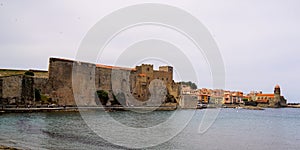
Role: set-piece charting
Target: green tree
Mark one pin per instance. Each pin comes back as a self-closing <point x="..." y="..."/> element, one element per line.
<point x="103" y="96"/>
<point x="29" y="73"/>
<point x="189" y="83"/>
<point x="245" y="99"/>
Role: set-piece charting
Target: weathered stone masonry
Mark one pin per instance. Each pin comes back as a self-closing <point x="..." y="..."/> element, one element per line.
<point x="75" y="83"/>
<point x="19" y="89"/>
<point x="88" y="78"/>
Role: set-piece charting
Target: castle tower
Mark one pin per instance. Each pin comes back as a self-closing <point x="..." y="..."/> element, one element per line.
<point x="168" y="69"/>
<point x="276" y="101"/>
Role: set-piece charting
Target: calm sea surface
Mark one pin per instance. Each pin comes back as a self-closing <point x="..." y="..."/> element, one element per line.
<point x="233" y="129"/>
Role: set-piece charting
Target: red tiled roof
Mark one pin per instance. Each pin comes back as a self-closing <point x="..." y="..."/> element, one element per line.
<point x="142" y="75"/>
<point x="262" y="101"/>
<point x="113" y="67"/>
<point x="267" y="95"/>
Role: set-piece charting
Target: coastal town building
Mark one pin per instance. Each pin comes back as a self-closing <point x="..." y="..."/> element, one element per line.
<point x="269" y="100"/>
<point x="234" y="97"/>
<point x="189" y="97"/>
<point x="214" y="96"/>
<point x="204" y="95"/>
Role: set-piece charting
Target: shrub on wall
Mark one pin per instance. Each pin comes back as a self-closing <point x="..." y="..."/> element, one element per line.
<point x="29" y="73"/>
<point x="103" y="96"/>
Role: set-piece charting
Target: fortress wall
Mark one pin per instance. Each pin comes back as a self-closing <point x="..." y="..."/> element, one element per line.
<point x="103" y="79"/>
<point x="144" y="75"/>
<point x="27" y="89"/>
<point x="17" y="89"/>
<point x="90" y="77"/>
<point x="113" y="80"/>
<point x="60" y="81"/>
<point x="174" y="89"/>
<point x="84" y="83"/>
<point x="70" y="79"/>
<point x="166" y="77"/>
<point x="42" y="85"/>
<point x="12" y="87"/>
<point x="1" y="88"/>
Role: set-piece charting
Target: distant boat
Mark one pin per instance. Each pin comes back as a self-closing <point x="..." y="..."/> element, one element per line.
<point x="201" y="106"/>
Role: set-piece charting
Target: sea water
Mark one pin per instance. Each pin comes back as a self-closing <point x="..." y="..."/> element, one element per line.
<point x="232" y="129"/>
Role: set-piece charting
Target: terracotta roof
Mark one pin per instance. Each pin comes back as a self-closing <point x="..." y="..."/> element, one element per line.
<point x="97" y="65"/>
<point x="113" y="67"/>
<point x="268" y="95"/>
<point x="142" y="75"/>
<point x="262" y="101"/>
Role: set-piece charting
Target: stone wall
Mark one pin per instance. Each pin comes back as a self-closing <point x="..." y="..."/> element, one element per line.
<point x="103" y="79"/>
<point x="60" y="81"/>
<point x="17" y="89"/>
<point x="83" y="83"/>
<point x="11" y="88"/>
<point x="142" y="77"/>
<point x="41" y="84"/>
<point x="75" y="83"/>
<point x="1" y="88"/>
<point x="27" y="94"/>
<point x="188" y="102"/>
<point x="70" y="81"/>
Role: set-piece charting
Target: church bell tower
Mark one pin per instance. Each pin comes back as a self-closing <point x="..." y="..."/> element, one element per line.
<point x="277" y="96"/>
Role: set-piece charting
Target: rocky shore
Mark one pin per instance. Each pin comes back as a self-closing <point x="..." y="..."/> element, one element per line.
<point x="2" y="147"/>
<point x="76" y="109"/>
<point x="293" y="106"/>
<point x="244" y="107"/>
<point x="252" y="107"/>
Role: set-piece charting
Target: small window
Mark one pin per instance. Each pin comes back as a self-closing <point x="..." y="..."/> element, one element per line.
<point x="148" y="69"/>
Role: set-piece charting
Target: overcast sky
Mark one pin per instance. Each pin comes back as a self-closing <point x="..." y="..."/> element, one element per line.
<point x="259" y="40"/>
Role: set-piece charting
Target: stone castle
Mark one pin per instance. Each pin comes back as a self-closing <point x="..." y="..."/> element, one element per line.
<point x="72" y="83"/>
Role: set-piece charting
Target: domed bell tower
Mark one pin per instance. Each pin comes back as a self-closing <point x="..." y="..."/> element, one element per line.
<point x="277" y="96"/>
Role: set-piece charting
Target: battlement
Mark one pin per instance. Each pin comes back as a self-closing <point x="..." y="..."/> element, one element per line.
<point x="166" y="68"/>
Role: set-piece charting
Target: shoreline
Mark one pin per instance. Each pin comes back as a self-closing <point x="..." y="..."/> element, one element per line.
<point x="109" y="109"/>
<point x="3" y="147"/>
<point x="77" y="109"/>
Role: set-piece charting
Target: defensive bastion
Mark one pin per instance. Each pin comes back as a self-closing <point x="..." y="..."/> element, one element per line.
<point x="67" y="80"/>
